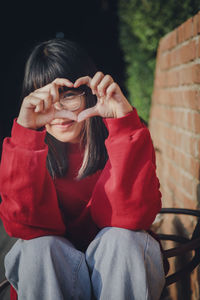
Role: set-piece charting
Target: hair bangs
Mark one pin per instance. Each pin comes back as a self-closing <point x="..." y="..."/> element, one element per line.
<point x="59" y="58"/>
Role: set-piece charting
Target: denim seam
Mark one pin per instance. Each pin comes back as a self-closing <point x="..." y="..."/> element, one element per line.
<point x="75" y="275"/>
<point x="145" y="250"/>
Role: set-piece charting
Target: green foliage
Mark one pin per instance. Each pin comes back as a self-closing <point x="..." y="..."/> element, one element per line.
<point x="141" y="25"/>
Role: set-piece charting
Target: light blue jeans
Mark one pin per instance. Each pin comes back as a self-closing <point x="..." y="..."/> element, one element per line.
<point x="119" y="264"/>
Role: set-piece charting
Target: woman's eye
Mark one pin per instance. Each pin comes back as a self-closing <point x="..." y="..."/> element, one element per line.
<point x="68" y="95"/>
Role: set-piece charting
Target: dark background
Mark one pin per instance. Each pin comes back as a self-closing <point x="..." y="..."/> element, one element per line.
<point x="93" y="23"/>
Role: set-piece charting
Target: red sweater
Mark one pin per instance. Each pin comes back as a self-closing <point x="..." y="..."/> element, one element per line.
<point x="124" y="194"/>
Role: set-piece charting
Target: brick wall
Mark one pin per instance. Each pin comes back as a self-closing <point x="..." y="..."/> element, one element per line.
<point x="175" y="126"/>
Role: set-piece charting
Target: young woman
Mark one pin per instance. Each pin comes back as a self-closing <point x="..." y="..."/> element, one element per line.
<point x="78" y="185"/>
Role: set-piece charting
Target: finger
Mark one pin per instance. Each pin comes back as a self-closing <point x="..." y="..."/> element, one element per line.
<point x="33" y="102"/>
<point x="87" y="113"/>
<point x="63" y="82"/>
<point x="58" y="82"/>
<point x="44" y="88"/>
<point x="46" y="97"/>
<point x="54" y="92"/>
<point x="95" y="82"/>
<point x="85" y="80"/>
<point x="104" y="84"/>
<point x="39" y="107"/>
<point x="66" y="114"/>
<point x="112" y="89"/>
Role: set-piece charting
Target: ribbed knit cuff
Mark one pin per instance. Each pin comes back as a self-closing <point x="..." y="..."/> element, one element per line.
<point x="27" y="138"/>
<point x="128" y="123"/>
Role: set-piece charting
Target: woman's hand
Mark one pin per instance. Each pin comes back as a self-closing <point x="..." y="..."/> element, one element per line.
<point x="111" y="101"/>
<point x="41" y="106"/>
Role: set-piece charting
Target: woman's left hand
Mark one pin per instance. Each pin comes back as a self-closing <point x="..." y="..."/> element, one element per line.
<point x="111" y="103"/>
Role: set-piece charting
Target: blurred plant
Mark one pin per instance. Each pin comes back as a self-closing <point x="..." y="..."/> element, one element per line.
<point x="141" y="25"/>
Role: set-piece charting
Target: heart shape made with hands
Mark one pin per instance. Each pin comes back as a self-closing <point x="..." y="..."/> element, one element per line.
<point x="37" y="109"/>
<point x="110" y="100"/>
<point x="96" y="110"/>
<point x="111" y="103"/>
<point x="62" y="112"/>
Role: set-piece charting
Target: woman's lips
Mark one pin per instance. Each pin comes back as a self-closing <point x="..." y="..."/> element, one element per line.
<point x="63" y="125"/>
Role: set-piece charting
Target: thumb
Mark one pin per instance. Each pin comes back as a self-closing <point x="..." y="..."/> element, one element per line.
<point x="87" y="113"/>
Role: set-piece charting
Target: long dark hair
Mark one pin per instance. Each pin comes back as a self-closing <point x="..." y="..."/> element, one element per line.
<point x="61" y="58"/>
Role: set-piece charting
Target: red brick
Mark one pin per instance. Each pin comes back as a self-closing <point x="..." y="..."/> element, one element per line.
<point x="196" y="24"/>
<point x="179" y="98"/>
<point x="185" y="142"/>
<point x="193" y="121"/>
<point x="191" y="146"/>
<point x="182" y="140"/>
<point x="175" y="58"/>
<point x="160" y="96"/>
<point x="165" y="61"/>
<point x="198" y="148"/>
<point x="198" y="47"/>
<point x="172" y="38"/>
<point x="160" y="80"/>
<point x="169" y="41"/>
<point x="185" y="162"/>
<point x="191" y="165"/>
<point x="175" y="184"/>
<point x="188" y="52"/>
<point x="186" y="76"/>
<point x="188" y="29"/>
<point x="171" y="116"/>
<point x="173" y="78"/>
<point x="175" y="119"/>
<point x="198" y="100"/>
<point x="185" y="31"/>
<point x="180" y="118"/>
<point x="180" y="34"/>
<point x="191" y="99"/>
<point x="178" y="183"/>
<point x="196" y="73"/>
<point x="190" y="74"/>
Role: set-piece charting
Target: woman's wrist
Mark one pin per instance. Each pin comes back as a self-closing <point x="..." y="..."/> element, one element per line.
<point x="122" y="111"/>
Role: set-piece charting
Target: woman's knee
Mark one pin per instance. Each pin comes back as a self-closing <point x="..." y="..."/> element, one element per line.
<point x="135" y="254"/>
<point x="51" y="258"/>
<point x="31" y="254"/>
<point x="120" y="238"/>
<point x="124" y="247"/>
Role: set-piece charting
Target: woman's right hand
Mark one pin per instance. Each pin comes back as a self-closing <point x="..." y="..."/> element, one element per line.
<point x="41" y="106"/>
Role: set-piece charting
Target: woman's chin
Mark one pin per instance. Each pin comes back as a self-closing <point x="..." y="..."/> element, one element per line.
<point x="65" y="133"/>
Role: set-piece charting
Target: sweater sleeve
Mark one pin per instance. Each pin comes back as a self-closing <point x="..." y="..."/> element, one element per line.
<point x="29" y="206"/>
<point x="127" y="193"/>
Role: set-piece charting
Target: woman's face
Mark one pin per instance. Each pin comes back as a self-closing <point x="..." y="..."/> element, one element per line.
<point x="66" y="130"/>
